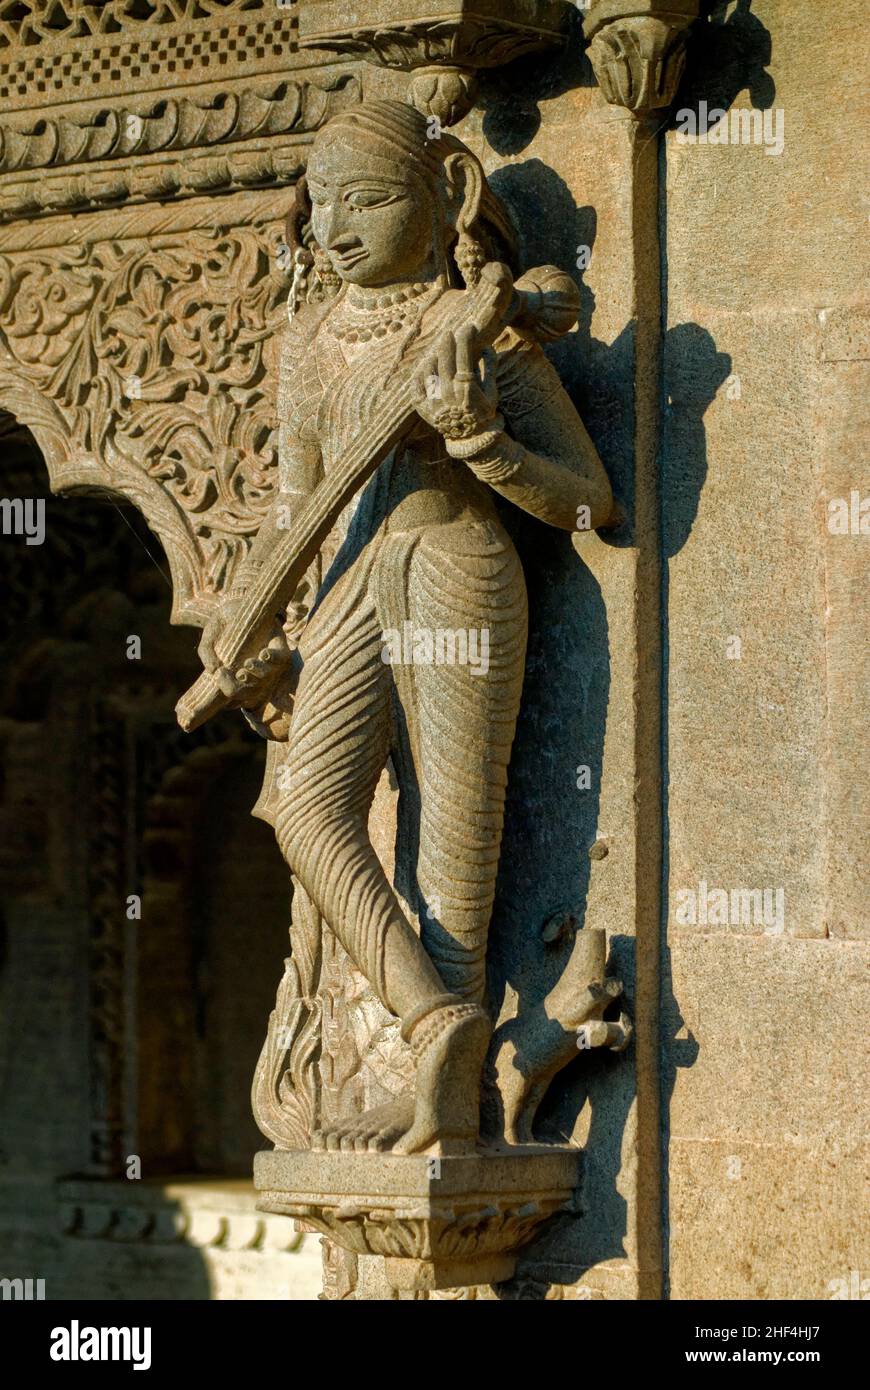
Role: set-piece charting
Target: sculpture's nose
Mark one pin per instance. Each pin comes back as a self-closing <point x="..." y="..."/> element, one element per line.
<point x="337" y="235"/>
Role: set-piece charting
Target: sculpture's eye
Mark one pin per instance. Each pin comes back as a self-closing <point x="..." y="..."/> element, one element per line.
<point x="319" y="196"/>
<point x="363" y="198"/>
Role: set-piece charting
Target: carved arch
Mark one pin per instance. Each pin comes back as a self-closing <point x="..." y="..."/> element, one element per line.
<point x="142" y="364"/>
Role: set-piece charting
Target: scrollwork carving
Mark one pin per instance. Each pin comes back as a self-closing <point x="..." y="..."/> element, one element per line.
<point x="171" y="124"/>
<point x="142" y="368"/>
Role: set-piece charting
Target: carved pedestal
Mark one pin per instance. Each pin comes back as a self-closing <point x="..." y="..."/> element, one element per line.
<point x="439" y="1223"/>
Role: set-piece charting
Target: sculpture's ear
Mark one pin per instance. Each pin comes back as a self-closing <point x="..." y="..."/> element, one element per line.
<point x="464" y="180"/>
<point x="299" y="215"/>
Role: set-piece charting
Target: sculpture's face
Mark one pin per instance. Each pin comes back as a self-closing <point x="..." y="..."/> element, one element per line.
<point x="375" y="221"/>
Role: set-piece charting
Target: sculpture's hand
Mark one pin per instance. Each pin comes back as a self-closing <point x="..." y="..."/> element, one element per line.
<point x="449" y="393"/>
<point x="253" y="679"/>
<point x="211" y="633"/>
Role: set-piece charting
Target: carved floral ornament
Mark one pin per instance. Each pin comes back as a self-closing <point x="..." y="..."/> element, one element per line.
<point x="638" y="50"/>
<point x="142" y="366"/>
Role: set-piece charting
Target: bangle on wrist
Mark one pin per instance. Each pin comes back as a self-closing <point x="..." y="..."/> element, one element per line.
<point x="499" y="462"/>
<point x="474" y="444"/>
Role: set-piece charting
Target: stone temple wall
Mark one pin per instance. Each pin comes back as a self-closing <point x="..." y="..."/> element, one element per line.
<point x="765" y="289"/>
<point x="705" y="659"/>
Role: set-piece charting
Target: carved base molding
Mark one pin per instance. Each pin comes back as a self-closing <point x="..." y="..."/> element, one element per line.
<point x="196" y="1212"/>
<point x="439" y="1223"/>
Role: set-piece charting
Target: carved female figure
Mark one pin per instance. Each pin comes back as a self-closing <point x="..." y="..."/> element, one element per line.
<point x="400" y="222"/>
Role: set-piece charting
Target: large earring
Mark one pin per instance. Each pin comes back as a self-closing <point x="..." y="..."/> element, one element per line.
<point x="469" y="257"/>
<point x="329" y="280"/>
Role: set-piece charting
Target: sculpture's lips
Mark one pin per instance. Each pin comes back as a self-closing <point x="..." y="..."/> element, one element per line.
<point x="349" y="258"/>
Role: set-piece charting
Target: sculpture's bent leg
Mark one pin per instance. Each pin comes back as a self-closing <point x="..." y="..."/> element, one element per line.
<point x="338" y="745"/>
<point x="339" y="740"/>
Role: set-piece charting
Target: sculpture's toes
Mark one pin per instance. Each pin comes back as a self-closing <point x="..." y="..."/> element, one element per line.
<point x="449" y="1063"/>
<point x="346" y="1127"/>
<point x="388" y="1136"/>
<point x="392" y="1122"/>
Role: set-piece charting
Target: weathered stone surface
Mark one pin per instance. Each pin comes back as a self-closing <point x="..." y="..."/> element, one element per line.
<point x="765" y="376"/>
<point x="684" y="779"/>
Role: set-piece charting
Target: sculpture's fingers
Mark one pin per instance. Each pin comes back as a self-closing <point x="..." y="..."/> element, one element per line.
<point x="428" y="381"/>
<point x="446" y="362"/>
<point x="206" y="651"/>
<point x="466" y="354"/>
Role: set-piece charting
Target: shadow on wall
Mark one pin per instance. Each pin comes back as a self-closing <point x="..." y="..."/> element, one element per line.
<point x="552" y="820"/>
<point x="510" y="97"/>
<point x="727" y="55"/>
<point x="550" y="825"/>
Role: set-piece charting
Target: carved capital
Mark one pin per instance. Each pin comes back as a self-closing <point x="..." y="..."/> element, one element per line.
<point x="443" y="42"/>
<point x="637" y="49"/>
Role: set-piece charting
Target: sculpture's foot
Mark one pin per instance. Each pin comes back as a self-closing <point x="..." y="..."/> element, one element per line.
<point x="374" y="1131"/>
<point x="450" y="1044"/>
<point x="443" y="1107"/>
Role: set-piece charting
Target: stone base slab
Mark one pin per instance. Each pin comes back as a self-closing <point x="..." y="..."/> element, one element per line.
<point x="446" y="1222"/>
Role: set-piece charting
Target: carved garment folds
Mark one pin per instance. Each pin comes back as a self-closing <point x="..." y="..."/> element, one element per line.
<point x="364" y="606"/>
<point x="378" y="326"/>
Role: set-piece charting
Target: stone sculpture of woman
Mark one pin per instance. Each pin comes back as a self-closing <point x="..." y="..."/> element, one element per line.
<point x="399" y="220"/>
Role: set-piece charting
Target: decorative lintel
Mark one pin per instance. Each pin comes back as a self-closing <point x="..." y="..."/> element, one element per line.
<point x="443" y="43"/>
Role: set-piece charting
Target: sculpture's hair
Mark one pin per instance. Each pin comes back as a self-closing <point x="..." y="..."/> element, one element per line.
<point x="401" y="130"/>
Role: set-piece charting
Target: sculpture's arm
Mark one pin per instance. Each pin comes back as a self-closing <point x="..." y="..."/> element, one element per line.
<point x="536" y="451"/>
<point x="543" y="460"/>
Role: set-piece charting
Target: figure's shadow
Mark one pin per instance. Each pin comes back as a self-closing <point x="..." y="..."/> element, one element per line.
<point x="551" y="821"/>
<point x="727" y="54"/>
<point x="552" y="816"/>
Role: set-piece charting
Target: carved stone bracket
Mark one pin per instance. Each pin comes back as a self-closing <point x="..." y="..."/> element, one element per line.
<point x="439" y="1223"/>
<point x="442" y="42"/>
<point x="638" y="50"/>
